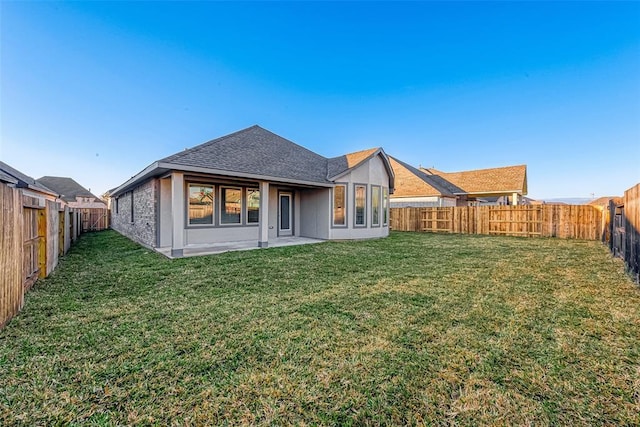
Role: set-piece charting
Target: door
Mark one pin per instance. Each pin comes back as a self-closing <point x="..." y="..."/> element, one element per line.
<point x="285" y="214"/>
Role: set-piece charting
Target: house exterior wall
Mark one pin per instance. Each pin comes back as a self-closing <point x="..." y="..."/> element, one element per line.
<point x="143" y="227"/>
<point x="315" y="213"/>
<point x="422" y="202"/>
<point x="369" y="173"/>
<point x="166" y="218"/>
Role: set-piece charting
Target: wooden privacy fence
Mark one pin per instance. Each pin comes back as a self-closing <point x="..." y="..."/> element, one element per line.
<point x="33" y="236"/>
<point x="564" y="221"/>
<point x="94" y="219"/>
<point x="624" y="230"/>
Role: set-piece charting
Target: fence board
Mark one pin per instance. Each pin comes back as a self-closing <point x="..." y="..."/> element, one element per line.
<point x="569" y="222"/>
<point x="624" y="229"/>
<point x="11" y="291"/>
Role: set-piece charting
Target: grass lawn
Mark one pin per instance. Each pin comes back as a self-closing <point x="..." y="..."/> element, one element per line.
<point x="412" y="329"/>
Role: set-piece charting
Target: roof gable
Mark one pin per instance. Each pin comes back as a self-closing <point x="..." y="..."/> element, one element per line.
<point x="255" y="151"/>
<point x="339" y="166"/>
<point x="414" y="182"/>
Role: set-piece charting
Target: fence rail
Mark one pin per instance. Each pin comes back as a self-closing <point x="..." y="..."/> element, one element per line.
<point x="564" y="221"/>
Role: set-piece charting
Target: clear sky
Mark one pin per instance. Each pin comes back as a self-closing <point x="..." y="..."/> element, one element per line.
<point x="99" y="90"/>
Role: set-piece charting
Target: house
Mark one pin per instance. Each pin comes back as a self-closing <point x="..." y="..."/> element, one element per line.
<point x="415" y="188"/>
<point x="93" y="211"/>
<point x="429" y="187"/>
<point x="493" y="186"/>
<point x="253" y="186"/>
<point x="29" y="186"/>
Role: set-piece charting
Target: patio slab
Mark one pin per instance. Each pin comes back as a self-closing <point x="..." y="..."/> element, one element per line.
<point x="242" y="245"/>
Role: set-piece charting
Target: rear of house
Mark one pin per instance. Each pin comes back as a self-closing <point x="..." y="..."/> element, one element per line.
<point x="253" y="186"/>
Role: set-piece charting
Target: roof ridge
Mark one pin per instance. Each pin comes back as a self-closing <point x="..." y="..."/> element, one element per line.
<point x="482" y="169"/>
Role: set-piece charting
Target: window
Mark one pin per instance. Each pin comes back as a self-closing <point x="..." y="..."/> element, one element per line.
<point x="200" y="204"/>
<point x="361" y="205"/>
<point x="385" y="206"/>
<point x="117" y="204"/>
<point x="340" y="205"/>
<point x="131" y="205"/>
<point x="253" y="205"/>
<point x="231" y="205"/>
<point x="375" y="205"/>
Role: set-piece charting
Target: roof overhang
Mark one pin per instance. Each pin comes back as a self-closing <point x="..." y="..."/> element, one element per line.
<point x="161" y="168"/>
<point x="489" y="193"/>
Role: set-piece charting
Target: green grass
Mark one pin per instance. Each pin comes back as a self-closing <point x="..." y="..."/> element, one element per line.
<point x="412" y="329"/>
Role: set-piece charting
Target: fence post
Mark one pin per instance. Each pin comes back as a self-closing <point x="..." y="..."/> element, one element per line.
<point x="42" y="242"/>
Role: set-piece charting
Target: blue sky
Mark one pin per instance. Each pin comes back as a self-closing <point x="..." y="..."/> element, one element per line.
<point x="99" y="90"/>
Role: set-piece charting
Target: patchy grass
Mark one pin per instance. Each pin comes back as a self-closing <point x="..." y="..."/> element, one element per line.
<point x="413" y="329"/>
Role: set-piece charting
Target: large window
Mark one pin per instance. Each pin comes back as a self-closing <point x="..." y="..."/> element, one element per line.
<point x="230" y="205"/>
<point x="340" y="205"/>
<point x="360" y="205"/>
<point x="200" y="204"/>
<point x="385" y="206"/>
<point x="375" y="205"/>
<point x="253" y="205"/>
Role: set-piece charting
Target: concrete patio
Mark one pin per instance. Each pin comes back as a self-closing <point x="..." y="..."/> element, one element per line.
<point x="243" y="245"/>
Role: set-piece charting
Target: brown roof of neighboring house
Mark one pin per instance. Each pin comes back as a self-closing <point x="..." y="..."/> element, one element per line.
<point x="414" y="182"/>
<point x="604" y="201"/>
<point x="492" y="180"/>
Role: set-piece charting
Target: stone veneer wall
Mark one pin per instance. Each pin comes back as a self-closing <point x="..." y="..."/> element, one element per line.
<point x="145" y="212"/>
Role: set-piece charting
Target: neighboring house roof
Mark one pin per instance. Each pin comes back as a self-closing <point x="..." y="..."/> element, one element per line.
<point x="604" y="201"/>
<point x="67" y="188"/>
<point x="23" y="181"/>
<point x="492" y="180"/>
<point x="414" y="182"/>
<point x="4" y="177"/>
<point x="256" y="153"/>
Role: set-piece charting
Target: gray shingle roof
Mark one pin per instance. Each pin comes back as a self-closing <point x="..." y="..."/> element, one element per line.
<point x="24" y="181"/>
<point x="4" y="177"/>
<point x="67" y="188"/>
<point x="255" y="151"/>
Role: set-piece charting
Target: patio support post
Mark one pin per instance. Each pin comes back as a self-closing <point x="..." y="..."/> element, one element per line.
<point x="263" y="237"/>
<point x="178" y="206"/>
<point x="515" y="199"/>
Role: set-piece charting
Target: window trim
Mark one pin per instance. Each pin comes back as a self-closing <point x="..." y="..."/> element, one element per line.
<point x="355" y="205"/>
<point x="132" y="206"/>
<point x="346" y="205"/>
<point x="377" y="190"/>
<point x="246" y="206"/>
<point x="213" y="205"/>
<point x="385" y="206"/>
<point x="221" y="188"/>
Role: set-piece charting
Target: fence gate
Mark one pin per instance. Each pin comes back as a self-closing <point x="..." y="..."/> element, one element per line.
<point x="515" y="220"/>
